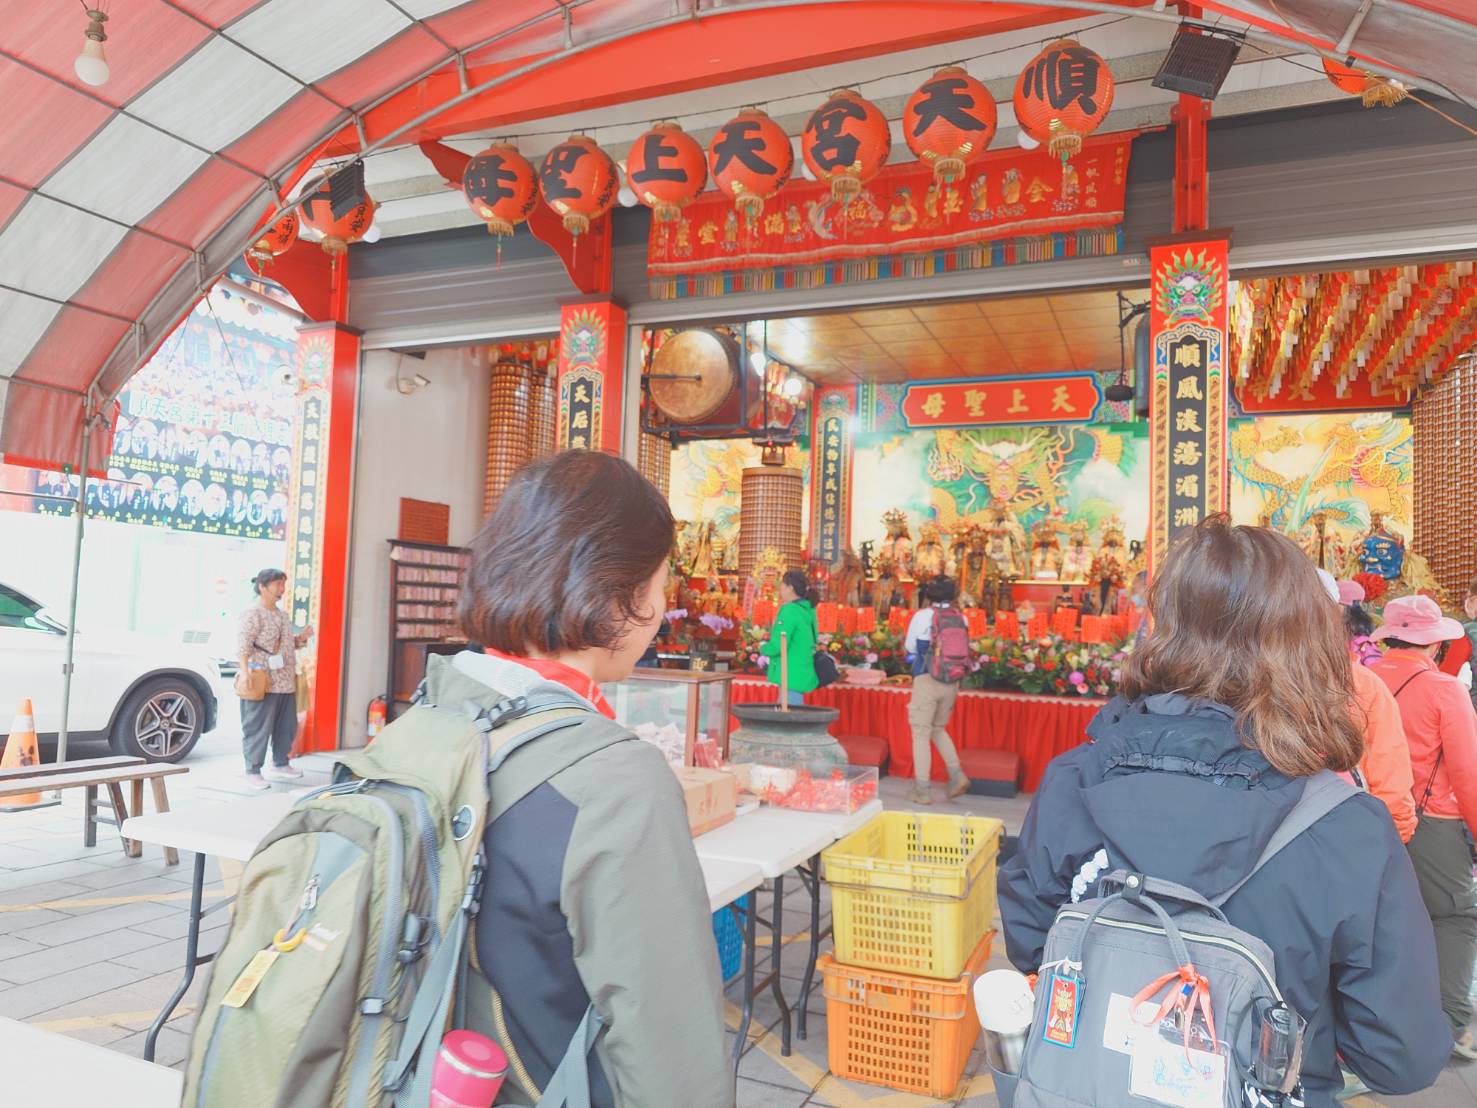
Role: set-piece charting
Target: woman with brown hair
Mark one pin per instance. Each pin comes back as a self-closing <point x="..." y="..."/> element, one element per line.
<point x="593" y="895"/>
<point x="1240" y="693"/>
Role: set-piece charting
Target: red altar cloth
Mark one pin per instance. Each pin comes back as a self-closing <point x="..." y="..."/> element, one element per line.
<point x="1038" y="728"/>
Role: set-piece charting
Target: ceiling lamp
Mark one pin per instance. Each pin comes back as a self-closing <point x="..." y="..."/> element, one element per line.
<point x="92" y="65"/>
<point x="1198" y="62"/>
<point x="846" y="142"/>
<point x="578" y="181"/>
<point x="949" y="121"/>
<point x="1376" y="91"/>
<point x="1062" y="96"/>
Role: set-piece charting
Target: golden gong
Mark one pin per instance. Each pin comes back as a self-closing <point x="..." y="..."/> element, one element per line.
<point x="693" y="374"/>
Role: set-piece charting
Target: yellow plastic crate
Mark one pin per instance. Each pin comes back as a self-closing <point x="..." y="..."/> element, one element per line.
<point x="913" y="893"/>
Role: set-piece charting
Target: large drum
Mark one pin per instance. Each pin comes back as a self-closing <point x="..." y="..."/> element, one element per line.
<point x="694" y="374"/>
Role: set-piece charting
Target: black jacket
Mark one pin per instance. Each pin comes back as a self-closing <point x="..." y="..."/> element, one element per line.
<point x="1165" y="788"/>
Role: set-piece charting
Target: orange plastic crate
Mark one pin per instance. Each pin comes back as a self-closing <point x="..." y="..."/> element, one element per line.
<point x="903" y="1032"/>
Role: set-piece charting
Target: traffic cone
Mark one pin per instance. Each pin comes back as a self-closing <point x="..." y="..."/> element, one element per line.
<point x="21" y="750"/>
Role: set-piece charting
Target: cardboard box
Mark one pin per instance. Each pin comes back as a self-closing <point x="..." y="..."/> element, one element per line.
<point x="711" y="795"/>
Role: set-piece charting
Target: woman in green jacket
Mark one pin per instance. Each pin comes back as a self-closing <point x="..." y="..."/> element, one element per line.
<point x="796" y="621"/>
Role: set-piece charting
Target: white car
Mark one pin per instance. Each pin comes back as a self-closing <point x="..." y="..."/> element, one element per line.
<point x="144" y="696"/>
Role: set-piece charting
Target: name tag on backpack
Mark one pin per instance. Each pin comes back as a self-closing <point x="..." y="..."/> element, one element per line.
<point x="1167" y="1072"/>
<point x="1064" y="1006"/>
<point x="239" y="993"/>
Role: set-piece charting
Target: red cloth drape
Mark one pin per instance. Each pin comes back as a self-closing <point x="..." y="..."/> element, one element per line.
<point x="1038" y="728"/>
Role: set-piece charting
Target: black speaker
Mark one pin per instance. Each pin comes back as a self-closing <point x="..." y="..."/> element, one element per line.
<point x="1141" y="371"/>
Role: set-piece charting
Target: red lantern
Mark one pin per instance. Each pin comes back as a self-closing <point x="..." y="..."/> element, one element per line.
<point x="578" y="181"/>
<point x="338" y="232"/>
<point x="274" y="241"/>
<point x="751" y="159"/>
<point x="949" y="122"/>
<point x="846" y="142"/>
<point x="1372" y="89"/>
<point x="666" y="170"/>
<point x="501" y="187"/>
<point x="1063" y="96"/>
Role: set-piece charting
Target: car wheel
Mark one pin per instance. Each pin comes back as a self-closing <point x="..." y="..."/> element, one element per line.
<point x="161" y="720"/>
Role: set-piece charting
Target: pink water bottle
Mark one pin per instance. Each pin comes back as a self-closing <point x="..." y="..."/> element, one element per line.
<point x="469" y="1071"/>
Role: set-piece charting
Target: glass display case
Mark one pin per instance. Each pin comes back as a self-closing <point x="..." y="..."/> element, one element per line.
<point x="686" y="713"/>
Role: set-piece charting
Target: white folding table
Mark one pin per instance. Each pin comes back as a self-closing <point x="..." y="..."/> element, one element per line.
<point x="43" y="1067"/>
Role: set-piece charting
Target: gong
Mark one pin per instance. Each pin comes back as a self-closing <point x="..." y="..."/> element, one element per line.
<point x="693" y="374"/>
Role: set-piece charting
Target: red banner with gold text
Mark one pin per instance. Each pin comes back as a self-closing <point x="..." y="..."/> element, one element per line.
<point x="1012" y="194"/>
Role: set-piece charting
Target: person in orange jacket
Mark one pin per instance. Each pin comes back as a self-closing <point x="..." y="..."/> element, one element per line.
<point x="1385" y="766"/>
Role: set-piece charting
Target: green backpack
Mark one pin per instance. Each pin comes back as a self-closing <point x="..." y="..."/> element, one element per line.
<point x="349" y="938"/>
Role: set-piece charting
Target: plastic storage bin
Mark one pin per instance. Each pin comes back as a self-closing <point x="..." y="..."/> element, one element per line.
<point x="815" y="788"/>
<point x="909" y="1033"/>
<point x="913" y="893"/>
<point x="730" y="941"/>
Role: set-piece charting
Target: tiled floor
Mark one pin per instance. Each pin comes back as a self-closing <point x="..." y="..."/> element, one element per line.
<point x="91" y="943"/>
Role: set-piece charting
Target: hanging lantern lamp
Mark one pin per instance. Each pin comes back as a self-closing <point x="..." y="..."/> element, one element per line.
<point x="337" y="231"/>
<point x="949" y="122"/>
<point x="1062" y="96"/>
<point x="846" y="142"/>
<point x="666" y="169"/>
<point x="578" y="181"/>
<point x="1375" y="91"/>
<point x="274" y="240"/>
<point x="750" y="159"/>
<point x="501" y="187"/>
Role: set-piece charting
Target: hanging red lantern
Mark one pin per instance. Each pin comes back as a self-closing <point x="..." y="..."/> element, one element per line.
<point x="274" y="240"/>
<point x="846" y="142"/>
<point x="578" y="181"/>
<point x="1062" y="96"/>
<point x="949" y="122"/>
<point x="1374" y="90"/>
<point x="666" y="170"/>
<point x="337" y="231"/>
<point x="501" y="187"/>
<point x="750" y="158"/>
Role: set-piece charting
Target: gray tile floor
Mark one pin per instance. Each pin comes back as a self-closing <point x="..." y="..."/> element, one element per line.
<point x="91" y="943"/>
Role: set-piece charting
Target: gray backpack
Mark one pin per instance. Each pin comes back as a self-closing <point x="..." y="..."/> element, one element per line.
<point x="348" y="943"/>
<point x="1136" y="985"/>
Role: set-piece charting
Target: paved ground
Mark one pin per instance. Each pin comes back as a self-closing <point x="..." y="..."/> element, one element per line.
<point x="91" y="943"/>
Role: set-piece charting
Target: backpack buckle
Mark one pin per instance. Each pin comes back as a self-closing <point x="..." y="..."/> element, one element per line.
<point x="489" y="719"/>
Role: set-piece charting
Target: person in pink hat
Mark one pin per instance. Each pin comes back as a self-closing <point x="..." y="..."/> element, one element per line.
<point x="1441" y="728"/>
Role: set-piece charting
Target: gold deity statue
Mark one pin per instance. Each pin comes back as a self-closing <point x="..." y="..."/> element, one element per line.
<point x="1078" y="555"/>
<point x="899" y="543"/>
<point x="930" y="559"/>
<point x="1046" y="551"/>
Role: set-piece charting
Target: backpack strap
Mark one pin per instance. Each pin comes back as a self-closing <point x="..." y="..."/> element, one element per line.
<point x="1322" y="793"/>
<point x="570" y="1085"/>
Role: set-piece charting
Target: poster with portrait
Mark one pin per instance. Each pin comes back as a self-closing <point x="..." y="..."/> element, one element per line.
<point x="204" y="437"/>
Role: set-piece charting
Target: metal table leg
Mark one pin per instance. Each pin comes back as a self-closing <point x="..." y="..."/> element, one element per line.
<point x="810" y="877"/>
<point x="192" y="959"/>
<point x="746" y="906"/>
<point x="777" y="986"/>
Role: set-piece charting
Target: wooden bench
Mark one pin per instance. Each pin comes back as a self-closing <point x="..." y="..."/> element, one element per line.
<point x="95" y="773"/>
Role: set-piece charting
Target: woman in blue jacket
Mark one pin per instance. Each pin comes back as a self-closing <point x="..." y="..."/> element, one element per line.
<point x="1240" y="693"/>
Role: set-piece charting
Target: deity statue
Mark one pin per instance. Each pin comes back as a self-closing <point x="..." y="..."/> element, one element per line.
<point x="899" y="543"/>
<point x="930" y="559"/>
<point x="1046" y="551"/>
<point x="887" y="593"/>
<point x="1381" y="551"/>
<point x="846" y="580"/>
<point x="1110" y="567"/>
<point x="700" y="560"/>
<point x="1318" y="544"/>
<point x="1005" y="541"/>
<point x="1077" y="557"/>
<point x="974" y="567"/>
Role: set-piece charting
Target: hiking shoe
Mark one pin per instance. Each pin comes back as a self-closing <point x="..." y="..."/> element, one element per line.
<point x="1464" y="1047"/>
<point x="957" y="786"/>
<point x="922" y="795"/>
<point x="283" y="773"/>
<point x="255" y="781"/>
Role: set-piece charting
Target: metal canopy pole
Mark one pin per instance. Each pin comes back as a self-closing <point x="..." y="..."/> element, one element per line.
<point x="61" y="739"/>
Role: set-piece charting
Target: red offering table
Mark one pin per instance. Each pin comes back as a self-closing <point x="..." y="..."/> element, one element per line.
<point x="1038" y="728"/>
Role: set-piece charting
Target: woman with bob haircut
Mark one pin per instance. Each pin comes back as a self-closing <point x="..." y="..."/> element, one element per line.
<point x="593" y="894"/>
<point x="1241" y="691"/>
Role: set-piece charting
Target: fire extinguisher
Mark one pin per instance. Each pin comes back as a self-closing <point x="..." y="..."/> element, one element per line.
<point x="378" y="707"/>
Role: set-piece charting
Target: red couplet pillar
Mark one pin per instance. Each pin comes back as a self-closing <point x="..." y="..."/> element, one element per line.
<point x="592" y="360"/>
<point x="318" y="517"/>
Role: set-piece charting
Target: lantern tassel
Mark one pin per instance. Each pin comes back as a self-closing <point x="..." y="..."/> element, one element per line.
<point x="1382" y="92"/>
<point x="1063" y="144"/>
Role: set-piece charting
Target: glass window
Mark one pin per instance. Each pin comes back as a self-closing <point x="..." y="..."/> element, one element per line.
<point x="17" y="610"/>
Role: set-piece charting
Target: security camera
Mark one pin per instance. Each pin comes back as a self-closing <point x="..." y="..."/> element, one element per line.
<point x="413" y="383"/>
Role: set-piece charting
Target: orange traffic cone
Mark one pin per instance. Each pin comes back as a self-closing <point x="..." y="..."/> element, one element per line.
<point x="21" y="750"/>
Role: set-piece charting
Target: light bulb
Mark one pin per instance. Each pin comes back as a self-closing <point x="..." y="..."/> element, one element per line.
<point x="91" y="65"/>
<point x="1025" y="141"/>
<point x="792" y="387"/>
<point x="626" y="197"/>
<point x="373" y="234"/>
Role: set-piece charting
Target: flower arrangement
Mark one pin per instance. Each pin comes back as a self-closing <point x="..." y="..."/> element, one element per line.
<point x="1049" y="665"/>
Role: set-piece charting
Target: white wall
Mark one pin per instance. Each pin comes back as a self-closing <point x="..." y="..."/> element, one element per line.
<point x="431" y="445"/>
